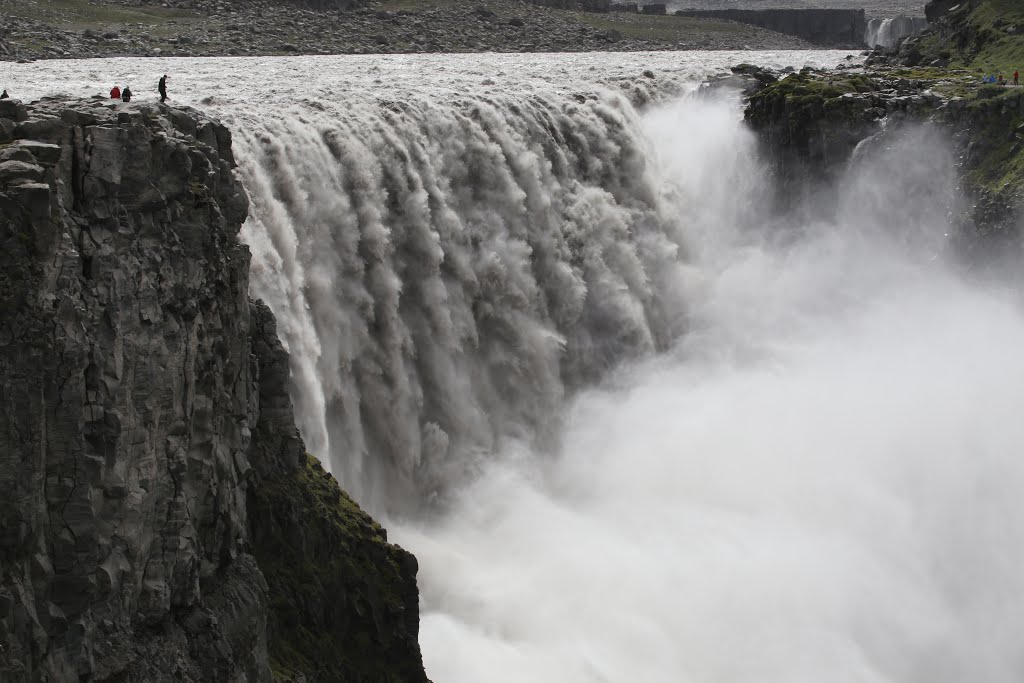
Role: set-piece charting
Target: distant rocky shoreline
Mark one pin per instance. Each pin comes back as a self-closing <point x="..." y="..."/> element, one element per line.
<point x="265" y="27"/>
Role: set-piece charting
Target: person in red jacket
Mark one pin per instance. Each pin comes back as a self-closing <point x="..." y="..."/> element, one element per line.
<point x="115" y="93"/>
<point x="1016" y="77"/>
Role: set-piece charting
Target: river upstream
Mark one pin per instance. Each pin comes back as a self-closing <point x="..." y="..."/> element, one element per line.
<point x="634" y="427"/>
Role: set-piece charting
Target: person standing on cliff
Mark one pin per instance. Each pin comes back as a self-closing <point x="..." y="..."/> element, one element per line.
<point x="1016" y="78"/>
<point x="162" y="87"/>
<point x="115" y="93"/>
<point x="126" y="94"/>
<point x="4" y="95"/>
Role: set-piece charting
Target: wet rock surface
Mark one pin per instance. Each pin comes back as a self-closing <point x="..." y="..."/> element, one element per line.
<point x="144" y="407"/>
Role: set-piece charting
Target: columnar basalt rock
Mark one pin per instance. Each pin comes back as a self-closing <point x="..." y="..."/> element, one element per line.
<point x="144" y="403"/>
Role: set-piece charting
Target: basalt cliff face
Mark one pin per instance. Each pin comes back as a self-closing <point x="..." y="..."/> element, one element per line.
<point x="159" y="518"/>
<point x="811" y="125"/>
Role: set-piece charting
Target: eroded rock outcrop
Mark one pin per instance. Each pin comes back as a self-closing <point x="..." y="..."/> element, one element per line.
<point x="811" y="124"/>
<point x="144" y="412"/>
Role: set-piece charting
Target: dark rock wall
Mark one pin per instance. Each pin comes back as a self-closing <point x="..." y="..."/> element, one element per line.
<point x="344" y="602"/>
<point x="143" y="405"/>
<point x="809" y="130"/>
<point x="937" y="9"/>
<point x="810" y="125"/>
<point x="829" y="27"/>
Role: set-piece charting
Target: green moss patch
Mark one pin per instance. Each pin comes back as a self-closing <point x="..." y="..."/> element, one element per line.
<point x="344" y="601"/>
<point x="983" y="35"/>
<point x="803" y="100"/>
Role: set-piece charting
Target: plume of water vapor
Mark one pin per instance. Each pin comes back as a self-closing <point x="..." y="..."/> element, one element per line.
<point x="821" y="481"/>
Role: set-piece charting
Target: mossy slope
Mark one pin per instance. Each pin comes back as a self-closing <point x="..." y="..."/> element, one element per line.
<point x="985" y="35"/>
<point x="344" y="601"/>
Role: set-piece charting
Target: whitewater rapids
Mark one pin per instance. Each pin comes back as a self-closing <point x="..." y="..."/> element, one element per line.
<point x="672" y="437"/>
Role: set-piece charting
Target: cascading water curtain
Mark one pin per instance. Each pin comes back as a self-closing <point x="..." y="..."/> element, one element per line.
<point x="444" y="272"/>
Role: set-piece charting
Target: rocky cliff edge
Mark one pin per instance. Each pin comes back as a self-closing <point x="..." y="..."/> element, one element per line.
<point x="159" y="518"/>
<point x="812" y="122"/>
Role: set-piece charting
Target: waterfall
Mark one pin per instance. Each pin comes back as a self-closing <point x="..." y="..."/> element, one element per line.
<point x="889" y="32"/>
<point x="680" y="439"/>
<point x="452" y="244"/>
<point x="446" y="271"/>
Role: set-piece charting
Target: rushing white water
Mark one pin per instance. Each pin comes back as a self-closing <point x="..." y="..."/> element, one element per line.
<point x="820" y="482"/>
<point x="816" y="482"/>
<point x="450" y="243"/>
<point x="682" y="440"/>
<point x="889" y="32"/>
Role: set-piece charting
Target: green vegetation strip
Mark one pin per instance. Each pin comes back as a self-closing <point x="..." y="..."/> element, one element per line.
<point x="336" y="586"/>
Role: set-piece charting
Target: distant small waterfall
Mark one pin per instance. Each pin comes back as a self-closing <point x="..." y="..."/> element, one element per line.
<point x="888" y="32"/>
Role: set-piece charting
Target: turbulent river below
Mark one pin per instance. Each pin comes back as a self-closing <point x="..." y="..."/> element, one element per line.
<point x="634" y="425"/>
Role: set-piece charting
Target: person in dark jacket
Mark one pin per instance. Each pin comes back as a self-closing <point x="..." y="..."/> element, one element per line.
<point x="4" y="95"/>
<point x="126" y="94"/>
<point x="162" y="87"/>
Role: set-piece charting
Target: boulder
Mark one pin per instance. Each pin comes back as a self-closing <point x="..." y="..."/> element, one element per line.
<point x="937" y="9"/>
<point x="41" y="152"/>
<point x="11" y="170"/>
<point x="13" y="110"/>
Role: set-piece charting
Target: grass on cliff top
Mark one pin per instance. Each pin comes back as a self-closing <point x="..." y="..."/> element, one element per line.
<point x="809" y="84"/>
